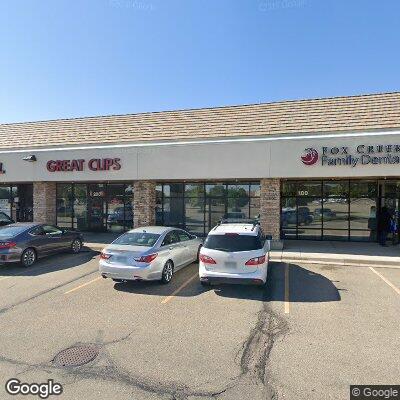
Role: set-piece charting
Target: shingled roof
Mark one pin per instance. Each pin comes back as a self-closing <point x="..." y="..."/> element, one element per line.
<point x="337" y="114"/>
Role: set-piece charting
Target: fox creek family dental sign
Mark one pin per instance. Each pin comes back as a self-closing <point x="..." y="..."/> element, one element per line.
<point x="359" y="155"/>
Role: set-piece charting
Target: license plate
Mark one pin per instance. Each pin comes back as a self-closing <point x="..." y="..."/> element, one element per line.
<point x="119" y="259"/>
<point x="230" y="264"/>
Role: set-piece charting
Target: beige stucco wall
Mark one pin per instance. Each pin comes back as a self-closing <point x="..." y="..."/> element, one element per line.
<point x="270" y="157"/>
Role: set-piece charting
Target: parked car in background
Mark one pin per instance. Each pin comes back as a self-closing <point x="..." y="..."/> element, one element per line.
<point x="326" y="213"/>
<point x="27" y="242"/>
<point x="121" y="216"/>
<point x="149" y="253"/>
<point x="292" y="217"/>
<point x="5" y="219"/>
<point x="234" y="253"/>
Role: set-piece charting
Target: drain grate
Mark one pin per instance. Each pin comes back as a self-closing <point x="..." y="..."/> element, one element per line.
<point x="76" y="356"/>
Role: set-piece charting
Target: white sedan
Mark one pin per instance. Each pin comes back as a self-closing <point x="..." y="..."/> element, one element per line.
<point x="149" y="253"/>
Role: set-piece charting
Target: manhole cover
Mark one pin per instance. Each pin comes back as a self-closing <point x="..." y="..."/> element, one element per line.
<point x="75" y="356"/>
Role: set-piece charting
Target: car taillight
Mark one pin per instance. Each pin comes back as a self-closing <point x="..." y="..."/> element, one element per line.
<point x="206" y="259"/>
<point x="256" y="260"/>
<point x="7" y="245"/>
<point x="147" y="259"/>
<point x="105" y="256"/>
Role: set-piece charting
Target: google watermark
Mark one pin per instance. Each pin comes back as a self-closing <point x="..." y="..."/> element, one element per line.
<point x="271" y="5"/>
<point x="133" y="4"/>
<point x="374" y="392"/>
<point x="44" y="390"/>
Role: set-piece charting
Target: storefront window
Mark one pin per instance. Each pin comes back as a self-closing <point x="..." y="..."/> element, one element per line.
<point x="199" y="206"/>
<point x="81" y="207"/>
<point x="331" y="216"/>
<point x="309" y="188"/>
<point x="65" y="198"/>
<point x="363" y="222"/>
<point x="95" y="206"/>
<point x="363" y="189"/>
<point x="116" y="208"/>
<point x="5" y="200"/>
<point x="336" y="189"/>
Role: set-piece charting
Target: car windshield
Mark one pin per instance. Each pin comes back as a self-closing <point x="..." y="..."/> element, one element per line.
<point x="11" y="231"/>
<point x="233" y="243"/>
<point x="137" y="239"/>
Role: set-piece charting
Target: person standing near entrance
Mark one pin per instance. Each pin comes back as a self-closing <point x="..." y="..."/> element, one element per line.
<point x="384" y="219"/>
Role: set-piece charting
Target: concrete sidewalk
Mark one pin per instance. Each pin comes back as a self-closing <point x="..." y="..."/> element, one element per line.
<point x="338" y="253"/>
<point x="305" y="251"/>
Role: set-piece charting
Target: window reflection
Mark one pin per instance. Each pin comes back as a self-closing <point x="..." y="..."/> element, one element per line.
<point x="199" y="206"/>
<point x="335" y="214"/>
<point x="95" y="206"/>
<point x="345" y="209"/>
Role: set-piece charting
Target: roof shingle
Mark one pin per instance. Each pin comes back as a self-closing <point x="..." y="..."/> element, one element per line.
<point x="337" y="114"/>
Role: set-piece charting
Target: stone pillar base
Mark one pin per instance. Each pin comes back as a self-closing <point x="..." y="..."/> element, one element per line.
<point x="270" y="207"/>
<point x="144" y="203"/>
<point x="44" y="202"/>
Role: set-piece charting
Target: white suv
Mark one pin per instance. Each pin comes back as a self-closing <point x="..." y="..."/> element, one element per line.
<point x="234" y="253"/>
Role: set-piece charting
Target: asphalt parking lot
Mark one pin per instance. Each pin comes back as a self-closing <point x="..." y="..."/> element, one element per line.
<point x="309" y="334"/>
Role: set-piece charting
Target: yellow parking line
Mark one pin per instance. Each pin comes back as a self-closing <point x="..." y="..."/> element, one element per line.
<point x="287" y="289"/>
<point x="83" y="285"/>
<point x="171" y="296"/>
<point x="396" y="289"/>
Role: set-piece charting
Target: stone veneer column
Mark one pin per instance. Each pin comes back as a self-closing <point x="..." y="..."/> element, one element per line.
<point x="44" y="202"/>
<point x="270" y="209"/>
<point x="144" y="203"/>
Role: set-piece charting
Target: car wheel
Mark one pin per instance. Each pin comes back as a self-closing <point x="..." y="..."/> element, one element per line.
<point x="76" y="246"/>
<point x="168" y="272"/>
<point x="28" y="257"/>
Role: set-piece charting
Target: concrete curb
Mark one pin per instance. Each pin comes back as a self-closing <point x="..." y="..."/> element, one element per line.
<point x="376" y="262"/>
<point x="330" y="259"/>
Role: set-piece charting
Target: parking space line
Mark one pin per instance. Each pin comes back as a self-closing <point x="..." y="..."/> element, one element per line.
<point x="184" y="284"/>
<point x="287" y="289"/>
<point x="396" y="289"/>
<point x="84" y="284"/>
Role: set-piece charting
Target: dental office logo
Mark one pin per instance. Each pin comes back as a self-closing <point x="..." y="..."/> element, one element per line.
<point x="310" y="157"/>
<point x="359" y="155"/>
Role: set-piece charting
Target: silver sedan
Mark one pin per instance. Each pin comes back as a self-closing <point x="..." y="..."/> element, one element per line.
<point x="149" y="253"/>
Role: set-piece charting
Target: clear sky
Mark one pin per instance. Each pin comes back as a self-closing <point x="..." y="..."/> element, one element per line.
<point x="71" y="58"/>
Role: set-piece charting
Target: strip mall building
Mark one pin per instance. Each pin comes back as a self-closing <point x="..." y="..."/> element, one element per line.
<point x="309" y="169"/>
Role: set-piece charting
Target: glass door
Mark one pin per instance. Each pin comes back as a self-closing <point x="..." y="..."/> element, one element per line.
<point x="23" y="203"/>
<point x="96" y="208"/>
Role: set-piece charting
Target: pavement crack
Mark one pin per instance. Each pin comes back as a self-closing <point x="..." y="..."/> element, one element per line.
<point x="256" y="350"/>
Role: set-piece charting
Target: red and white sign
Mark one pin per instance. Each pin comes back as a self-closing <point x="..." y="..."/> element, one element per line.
<point x="310" y="157"/>
<point x="95" y="164"/>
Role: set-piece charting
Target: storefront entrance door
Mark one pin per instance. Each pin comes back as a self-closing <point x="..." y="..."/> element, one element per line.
<point x="96" y="208"/>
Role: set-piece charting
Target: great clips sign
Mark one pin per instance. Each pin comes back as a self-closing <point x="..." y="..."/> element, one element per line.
<point x="359" y="155"/>
<point x="95" y="164"/>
